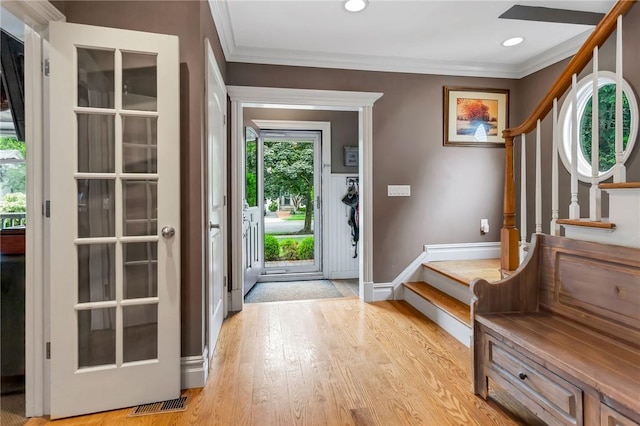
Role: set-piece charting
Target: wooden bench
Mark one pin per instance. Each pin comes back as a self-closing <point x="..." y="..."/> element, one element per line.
<point x="562" y="333"/>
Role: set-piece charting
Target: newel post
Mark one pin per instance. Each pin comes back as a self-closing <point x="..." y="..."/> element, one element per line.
<point x="509" y="254"/>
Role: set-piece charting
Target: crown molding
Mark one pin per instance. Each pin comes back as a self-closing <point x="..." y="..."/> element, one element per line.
<point x="555" y="55"/>
<point x="241" y="54"/>
<point x="36" y="13"/>
<point x="222" y="20"/>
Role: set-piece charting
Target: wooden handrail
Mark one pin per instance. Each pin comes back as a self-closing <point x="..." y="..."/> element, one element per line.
<point x="580" y="60"/>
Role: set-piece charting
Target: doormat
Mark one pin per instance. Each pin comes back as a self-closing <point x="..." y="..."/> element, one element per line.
<point x="292" y="290"/>
<point x="170" y="406"/>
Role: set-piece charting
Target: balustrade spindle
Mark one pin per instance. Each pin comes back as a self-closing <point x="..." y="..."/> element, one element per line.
<point x="523" y="190"/>
<point x="620" y="173"/>
<point x="538" y="181"/>
<point x="595" y="196"/>
<point x="574" y="207"/>
<point x="554" y="227"/>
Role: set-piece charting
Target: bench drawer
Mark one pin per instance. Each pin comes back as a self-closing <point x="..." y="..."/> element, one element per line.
<point x="610" y="417"/>
<point x="556" y="396"/>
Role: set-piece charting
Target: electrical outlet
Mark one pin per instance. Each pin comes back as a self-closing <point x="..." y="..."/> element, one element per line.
<point x="484" y="226"/>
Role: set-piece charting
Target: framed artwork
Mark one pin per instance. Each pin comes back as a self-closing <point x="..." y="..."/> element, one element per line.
<point x="351" y="156"/>
<point x="475" y="117"/>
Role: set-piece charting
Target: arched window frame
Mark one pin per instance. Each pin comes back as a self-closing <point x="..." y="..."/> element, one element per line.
<point x="585" y="92"/>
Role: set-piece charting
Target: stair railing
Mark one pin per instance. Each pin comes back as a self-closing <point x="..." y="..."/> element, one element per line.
<point x="510" y="246"/>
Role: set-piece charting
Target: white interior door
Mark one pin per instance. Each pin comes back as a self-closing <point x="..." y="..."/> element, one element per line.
<point x="115" y="238"/>
<point x="217" y="157"/>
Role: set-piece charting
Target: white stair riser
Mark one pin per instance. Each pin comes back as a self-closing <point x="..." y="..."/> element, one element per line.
<point x="449" y="323"/>
<point x="447" y="285"/>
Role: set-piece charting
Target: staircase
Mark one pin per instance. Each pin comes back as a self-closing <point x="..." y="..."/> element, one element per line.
<point x="440" y="290"/>
<point x="444" y="296"/>
<point x="623" y="225"/>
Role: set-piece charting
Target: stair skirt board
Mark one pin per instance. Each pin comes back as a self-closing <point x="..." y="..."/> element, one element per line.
<point x="449" y="323"/>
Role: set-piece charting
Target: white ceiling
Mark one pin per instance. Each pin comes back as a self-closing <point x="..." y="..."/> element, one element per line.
<point x="452" y="37"/>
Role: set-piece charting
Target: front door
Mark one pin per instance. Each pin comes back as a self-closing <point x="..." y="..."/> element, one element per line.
<point x="252" y="212"/>
<point x="291" y="164"/>
<point x="114" y="268"/>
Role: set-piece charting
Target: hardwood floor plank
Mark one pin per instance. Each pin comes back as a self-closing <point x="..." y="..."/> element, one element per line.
<point x="329" y="362"/>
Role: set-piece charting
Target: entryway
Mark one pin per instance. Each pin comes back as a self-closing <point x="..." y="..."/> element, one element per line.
<point x="291" y="196"/>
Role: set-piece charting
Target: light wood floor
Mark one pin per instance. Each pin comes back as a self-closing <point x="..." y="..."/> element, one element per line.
<point x="329" y="362"/>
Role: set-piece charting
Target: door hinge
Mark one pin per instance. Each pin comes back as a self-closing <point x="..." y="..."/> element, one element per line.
<point x="224" y="119"/>
<point x="48" y="350"/>
<point x="47" y="208"/>
<point x="46" y="67"/>
<point x="224" y="200"/>
<point x="225" y="281"/>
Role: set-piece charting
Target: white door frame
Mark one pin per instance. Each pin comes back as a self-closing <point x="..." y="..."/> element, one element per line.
<point x="245" y="96"/>
<point x="325" y="128"/>
<point x="37" y="15"/>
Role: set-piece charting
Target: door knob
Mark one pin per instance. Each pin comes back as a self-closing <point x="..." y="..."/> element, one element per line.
<point x="214" y="226"/>
<point x="168" y="232"/>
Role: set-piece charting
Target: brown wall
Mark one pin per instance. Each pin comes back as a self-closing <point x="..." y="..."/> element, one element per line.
<point x="452" y="187"/>
<point x="530" y="91"/>
<point x="344" y="129"/>
<point x="191" y="21"/>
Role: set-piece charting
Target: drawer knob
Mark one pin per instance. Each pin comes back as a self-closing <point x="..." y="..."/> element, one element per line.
<point x="522" y="376"/>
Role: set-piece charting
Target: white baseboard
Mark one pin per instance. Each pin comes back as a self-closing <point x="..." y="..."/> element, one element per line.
<point x="368" y="291"/>
<point x="194" y="370"/>
<point x="383" y="291"/>
<point x="450" y="324"/>
<point x="237" y="298"/>
<point x="464" y="251"/>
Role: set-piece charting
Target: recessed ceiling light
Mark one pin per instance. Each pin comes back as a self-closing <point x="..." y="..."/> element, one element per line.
<point x="355" y="5"/>
<point x="514" y="41"/>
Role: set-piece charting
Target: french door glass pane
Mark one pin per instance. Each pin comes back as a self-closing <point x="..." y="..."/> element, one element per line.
<point x="140" y="270"/>
<point x="96" y="337"/>
<point x="140" y="207"/>
<point x="96" y="273"/>
<point x="139" y="82"/>
<point x="96" y="143"/>
<point x="95" y="78"/>
<point x="140" y="332"/>
<point x="96" y="208"/>
<point x="139" y="142"/>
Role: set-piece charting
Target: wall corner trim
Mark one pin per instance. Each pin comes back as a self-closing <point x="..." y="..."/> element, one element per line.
<point x="194" y="370"/>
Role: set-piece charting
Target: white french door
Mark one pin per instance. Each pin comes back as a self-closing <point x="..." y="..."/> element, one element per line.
<point x="114" y="206"/>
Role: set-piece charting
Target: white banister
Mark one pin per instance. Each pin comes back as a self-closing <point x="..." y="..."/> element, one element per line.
<point x="523" y="191"/>
<point x="538" y="181"/>
<point x="595" y="195"/>
<point x="574" y="207"/>
<point x="619" y="172"/>
<point x="554" y="227"/>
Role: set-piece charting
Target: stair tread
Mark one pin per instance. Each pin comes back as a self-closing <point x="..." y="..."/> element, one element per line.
<point x="465" y="271"/>
<point x="621" y="185"/>
<point x="449" y="304"/>
<point x="586" y="223"/>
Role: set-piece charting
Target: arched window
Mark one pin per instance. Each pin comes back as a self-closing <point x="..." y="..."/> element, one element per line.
<point x="606" y="114"/>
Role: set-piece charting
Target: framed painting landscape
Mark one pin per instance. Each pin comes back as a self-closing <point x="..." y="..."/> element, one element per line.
<point x="475" y="117"/>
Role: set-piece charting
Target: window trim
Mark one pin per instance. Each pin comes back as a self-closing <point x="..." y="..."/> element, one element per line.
<point x="565" y="126"/>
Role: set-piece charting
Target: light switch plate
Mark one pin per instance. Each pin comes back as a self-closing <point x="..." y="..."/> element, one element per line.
<point x="399" y="190"/>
